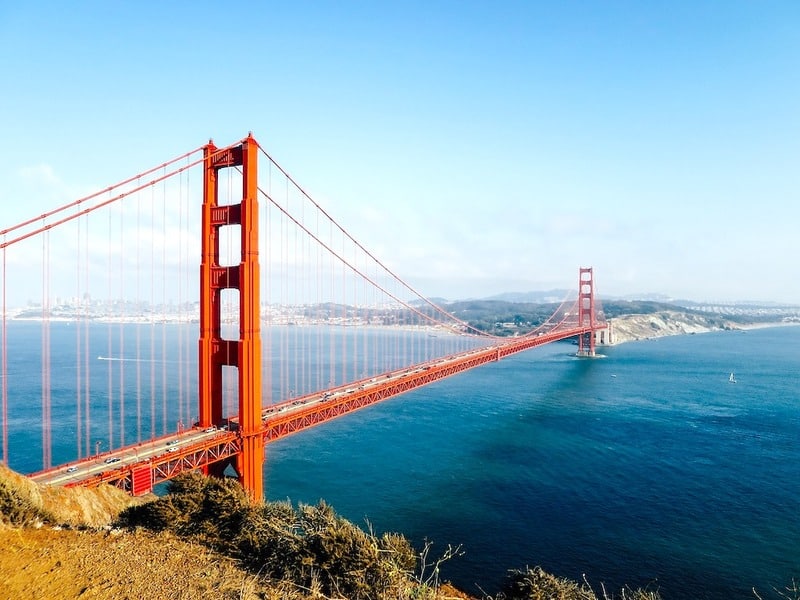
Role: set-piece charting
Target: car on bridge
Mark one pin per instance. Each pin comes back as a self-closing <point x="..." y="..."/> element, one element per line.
<point x="112" y="459"/>
<point x="72" y="469"/>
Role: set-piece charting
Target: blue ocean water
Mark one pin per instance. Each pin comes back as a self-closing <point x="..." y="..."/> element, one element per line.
<point x="645" y="467"/>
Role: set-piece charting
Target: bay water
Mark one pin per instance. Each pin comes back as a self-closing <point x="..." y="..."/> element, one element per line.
<point x="644" y="467"/>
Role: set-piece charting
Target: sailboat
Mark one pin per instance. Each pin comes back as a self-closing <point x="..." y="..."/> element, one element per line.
<point x="732" y="378"/>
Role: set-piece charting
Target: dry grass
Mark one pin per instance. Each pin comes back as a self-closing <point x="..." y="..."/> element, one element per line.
<point x="58" y="543"/>
<point x="62" y="564"/>
<point x="114" y="565"/>
<point x="24" y="502"/>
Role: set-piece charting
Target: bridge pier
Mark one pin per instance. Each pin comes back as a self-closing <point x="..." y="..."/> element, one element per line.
<point x="604" y="337"/>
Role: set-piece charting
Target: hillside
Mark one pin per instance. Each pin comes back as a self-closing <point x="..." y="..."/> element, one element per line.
<point x="24" y="502"/>
<point x="61" y="563"/>
<point x="667" y="322"/>
<point x="631" y="320"/>
<point x="58" y="543"/>
<point x="67" y="543"/>
<point x="206" y="540"/>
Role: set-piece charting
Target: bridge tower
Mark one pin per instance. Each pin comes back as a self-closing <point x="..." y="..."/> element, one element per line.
<point x="244" y="353"/>
<point x="586" y="316"/>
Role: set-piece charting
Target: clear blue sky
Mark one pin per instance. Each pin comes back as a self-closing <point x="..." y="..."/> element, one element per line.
<point x="474" y="147"/>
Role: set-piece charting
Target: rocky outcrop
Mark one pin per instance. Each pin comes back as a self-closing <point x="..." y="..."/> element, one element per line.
<point x="640" y="327"/>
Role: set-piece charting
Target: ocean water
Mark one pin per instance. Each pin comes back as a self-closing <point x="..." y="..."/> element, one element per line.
<point x="644" y="467"/>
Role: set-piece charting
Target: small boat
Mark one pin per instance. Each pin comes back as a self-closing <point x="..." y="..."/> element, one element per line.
<point x="732" y="378"/>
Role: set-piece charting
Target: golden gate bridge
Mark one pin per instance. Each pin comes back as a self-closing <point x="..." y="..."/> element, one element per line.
<point x="144" y="370"/>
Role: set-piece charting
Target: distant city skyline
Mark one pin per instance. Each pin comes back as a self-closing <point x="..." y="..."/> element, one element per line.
<point x="534" y="297"/>
<point x="475" y="148"/>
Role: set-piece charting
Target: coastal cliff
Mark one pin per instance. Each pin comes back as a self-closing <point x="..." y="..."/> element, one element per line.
<point x="626" y="328"/>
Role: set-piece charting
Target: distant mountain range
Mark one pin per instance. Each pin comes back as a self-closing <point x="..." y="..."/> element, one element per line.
<point x="545" y="297"/>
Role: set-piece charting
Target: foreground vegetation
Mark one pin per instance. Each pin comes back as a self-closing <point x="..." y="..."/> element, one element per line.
<point x="311" y="548"/>
<point x="205" y="539"/>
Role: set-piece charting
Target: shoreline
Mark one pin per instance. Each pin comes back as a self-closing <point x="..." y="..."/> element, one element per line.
<point x="637" y="327"/>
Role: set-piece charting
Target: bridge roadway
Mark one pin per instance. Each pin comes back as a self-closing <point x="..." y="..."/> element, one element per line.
<point x="136" y="469"/>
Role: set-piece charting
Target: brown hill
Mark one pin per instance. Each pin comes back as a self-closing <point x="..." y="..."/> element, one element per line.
<point x="77" y="507"/>
<point x="58" y="543"/>
<point x="61" y="563"/>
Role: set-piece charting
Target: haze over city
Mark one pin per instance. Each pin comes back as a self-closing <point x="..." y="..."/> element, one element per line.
<point x="475" y="148"/>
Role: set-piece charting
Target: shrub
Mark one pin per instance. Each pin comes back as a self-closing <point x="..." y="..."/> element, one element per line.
<point x="310" y="546"/>
<point x="537" y="584"/>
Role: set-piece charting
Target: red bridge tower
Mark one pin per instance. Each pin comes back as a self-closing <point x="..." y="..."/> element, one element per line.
<point x="586" y="316"/>
<point x="244" y="353"/>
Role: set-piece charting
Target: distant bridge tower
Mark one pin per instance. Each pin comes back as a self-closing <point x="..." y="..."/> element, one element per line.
<point x="586" y="316"/>
<point x="244" y="353"/>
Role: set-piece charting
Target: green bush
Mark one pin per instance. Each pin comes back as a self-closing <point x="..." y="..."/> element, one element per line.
<point x="310" y="546"/>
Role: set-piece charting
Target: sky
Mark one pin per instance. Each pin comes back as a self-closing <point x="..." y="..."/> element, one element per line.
<point x="475" y="148"/>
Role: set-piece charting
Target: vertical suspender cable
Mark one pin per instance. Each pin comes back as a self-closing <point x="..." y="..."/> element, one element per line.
<point x="297" y="367"/>
<point x="4" y="368"/>
<point x="266" y="278"/>
<point x="183" y="292"/>
<point x="151" y="328"/>
<point x="286" y="383"/>
<point x="87" y="353"/>
<point x="78" y="364"/>
<point x="179" y="325"/>
<point x="109" y="307"/>
<point x="140" y="314"/>
<point x="46" y="448"/>
<point x="332" y="305"/>
<point x="123" y="316"/>
<point x="358" y="331"/>
<point x="364" y="357"/>
<point x="164" y="391"/>
<point x="318" y="284"/>
<point x="344" y="356"/>
<point x="299" y="301"/>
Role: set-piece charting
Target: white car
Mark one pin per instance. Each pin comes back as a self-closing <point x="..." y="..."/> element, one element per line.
<point x="112" y="459"/>
<point x="72" y="469"/>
